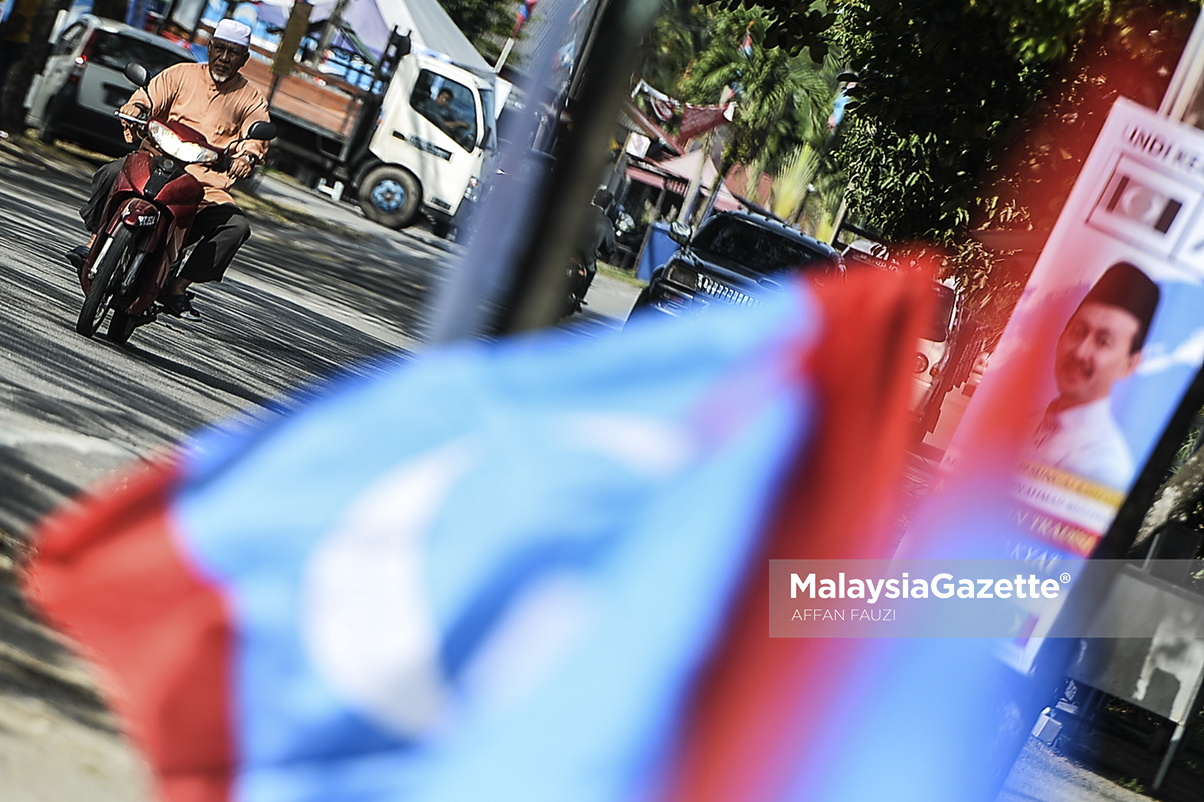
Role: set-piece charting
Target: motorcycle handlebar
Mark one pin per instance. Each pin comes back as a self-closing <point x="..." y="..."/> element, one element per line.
<point x="130" y="118"/>
<point x="221" y="165"/>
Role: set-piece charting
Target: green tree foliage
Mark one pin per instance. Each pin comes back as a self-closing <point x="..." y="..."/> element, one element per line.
<point x="798" y="170"/>
<point x="979" y="117"/>
<point x="781" y="102"/>
<point x="479" y="19"/>
<point x="939" y="81"/>
<point x="676" y="39"/>
<point x="947" y="86"/>
<point x="793" y="25"/>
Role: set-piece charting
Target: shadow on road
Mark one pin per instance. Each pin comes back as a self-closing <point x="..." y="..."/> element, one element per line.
<point x="300" y="306"/>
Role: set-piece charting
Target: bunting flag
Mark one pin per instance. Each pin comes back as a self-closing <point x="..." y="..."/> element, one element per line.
<point x="499" y="572"/>
<point x="663" y="106"/>
<point x="523" y="15"/>
<point x="746" y="44"/>
<point x="565" y="56"/>
<point x="697" y="120"/>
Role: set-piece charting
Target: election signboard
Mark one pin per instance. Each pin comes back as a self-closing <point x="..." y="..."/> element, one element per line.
<point x="1104" y="341"/>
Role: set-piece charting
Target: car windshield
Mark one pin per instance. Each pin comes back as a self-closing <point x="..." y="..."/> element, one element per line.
<point x="757" y="248"/>
<point x="115" y="50"/>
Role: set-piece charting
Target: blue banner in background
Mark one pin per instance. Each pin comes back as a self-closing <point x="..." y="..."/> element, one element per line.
<point x="657" y="250"/>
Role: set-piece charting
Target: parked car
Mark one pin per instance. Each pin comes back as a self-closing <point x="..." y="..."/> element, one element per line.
<point x="865" y="253"/>
<point x="933" y="348"/>
<point x="733" y="257"/>
<point x="82" y="85"/>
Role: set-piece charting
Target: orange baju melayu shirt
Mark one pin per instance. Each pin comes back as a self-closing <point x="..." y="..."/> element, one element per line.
<point x="222" y="113"/>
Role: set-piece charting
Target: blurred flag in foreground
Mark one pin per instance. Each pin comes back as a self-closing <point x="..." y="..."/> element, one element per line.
<point x="503" y="572"/>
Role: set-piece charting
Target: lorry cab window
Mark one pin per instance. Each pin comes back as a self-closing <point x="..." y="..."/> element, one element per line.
<point x="447" y="104"/>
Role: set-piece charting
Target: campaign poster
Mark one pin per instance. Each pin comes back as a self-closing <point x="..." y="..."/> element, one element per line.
<point x="1108" y="334"/>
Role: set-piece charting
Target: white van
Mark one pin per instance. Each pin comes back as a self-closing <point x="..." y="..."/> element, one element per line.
<point x="82" y="85"/>
<point x="932" y="349"/>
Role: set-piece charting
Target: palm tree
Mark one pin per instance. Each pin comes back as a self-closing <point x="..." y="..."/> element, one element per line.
<point x="675" y="40"/>
<point x="781" y="102"/>
<point x="795" y="175"/>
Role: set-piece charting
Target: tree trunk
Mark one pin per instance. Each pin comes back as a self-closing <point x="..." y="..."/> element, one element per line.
<point x="725" y="167"/>
<point x="22" y="73"/>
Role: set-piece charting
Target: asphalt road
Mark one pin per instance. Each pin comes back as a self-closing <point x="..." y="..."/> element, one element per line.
<point x="299" y="306"/>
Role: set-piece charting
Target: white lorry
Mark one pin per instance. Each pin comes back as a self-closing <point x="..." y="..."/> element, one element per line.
<point x="414" y="146"/>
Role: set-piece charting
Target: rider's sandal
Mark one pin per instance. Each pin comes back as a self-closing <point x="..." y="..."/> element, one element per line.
<point x="180" y="306"/>
<point x="77" y="255"/>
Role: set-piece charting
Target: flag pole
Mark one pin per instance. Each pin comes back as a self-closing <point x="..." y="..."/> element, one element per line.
<point x="513" y="276"/>
<point x="501" y="60"/>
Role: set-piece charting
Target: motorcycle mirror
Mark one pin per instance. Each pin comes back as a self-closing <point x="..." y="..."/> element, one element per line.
<point x="135" y="73"/>
<point x="262" y="130"/>
<point x="679" y="232"/>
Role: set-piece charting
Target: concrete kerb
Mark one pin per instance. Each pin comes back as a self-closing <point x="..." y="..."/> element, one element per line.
<point x="315" y="203"/>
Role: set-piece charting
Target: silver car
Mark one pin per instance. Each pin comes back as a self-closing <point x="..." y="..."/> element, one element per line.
<point x="75" y="96"/>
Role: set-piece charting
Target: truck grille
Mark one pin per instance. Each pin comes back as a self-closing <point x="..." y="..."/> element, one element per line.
<point x="723" y="292"/>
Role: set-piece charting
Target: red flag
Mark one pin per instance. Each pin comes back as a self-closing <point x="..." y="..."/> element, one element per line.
<point x="740" y="744"/>
<point x="523" y="15"/>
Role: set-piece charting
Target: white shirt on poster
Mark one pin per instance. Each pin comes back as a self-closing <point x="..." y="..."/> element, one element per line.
<point x="1085" y="440"/>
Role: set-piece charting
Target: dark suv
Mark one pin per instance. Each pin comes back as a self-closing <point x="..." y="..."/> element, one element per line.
<point x="734" y="257"/>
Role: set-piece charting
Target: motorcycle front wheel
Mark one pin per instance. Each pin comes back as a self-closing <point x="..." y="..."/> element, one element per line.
<point x="100" y="291"/>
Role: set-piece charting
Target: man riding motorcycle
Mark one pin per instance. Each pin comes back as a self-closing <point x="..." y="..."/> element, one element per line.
<point x="217" y="101"/>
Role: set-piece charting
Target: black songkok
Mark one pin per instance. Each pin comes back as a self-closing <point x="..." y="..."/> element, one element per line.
<point x="1126" y="286"/>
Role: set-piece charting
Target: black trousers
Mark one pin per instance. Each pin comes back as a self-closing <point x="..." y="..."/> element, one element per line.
<point x="217" y="231"/>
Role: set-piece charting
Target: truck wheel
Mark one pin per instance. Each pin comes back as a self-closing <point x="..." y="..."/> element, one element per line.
<point x="389" y="196"/>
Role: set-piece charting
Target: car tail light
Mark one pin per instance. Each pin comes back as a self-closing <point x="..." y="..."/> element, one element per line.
<point x="921" y="363"/>
<point x="81" y="60"/>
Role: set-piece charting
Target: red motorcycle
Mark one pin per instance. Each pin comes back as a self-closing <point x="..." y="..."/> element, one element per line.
<point x="148" y="216"/>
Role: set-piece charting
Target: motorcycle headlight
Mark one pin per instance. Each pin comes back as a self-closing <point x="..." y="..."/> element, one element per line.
<point x="171" y="144"/>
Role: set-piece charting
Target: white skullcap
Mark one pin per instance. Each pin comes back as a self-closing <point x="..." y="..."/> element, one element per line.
<point x="231" y="30"/>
